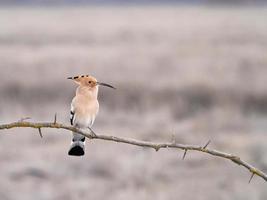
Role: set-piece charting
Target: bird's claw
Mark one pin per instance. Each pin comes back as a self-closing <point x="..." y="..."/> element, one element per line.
<point x="92" y="133"/>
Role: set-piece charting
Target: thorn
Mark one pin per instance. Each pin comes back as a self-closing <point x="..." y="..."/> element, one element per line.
<point x="185" y="151"/>
<point x="55" y="118"/>
<point x="24" y="118"/>
<point x="206" y="145"/>
<point x="173" y="141"/>
<point x="252" y="175"/>
<point x="40" y="132"/>
<point x="157" y="149"/>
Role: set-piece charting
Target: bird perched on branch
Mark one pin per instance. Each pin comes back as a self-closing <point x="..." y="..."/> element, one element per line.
<point x="84" y="108"/>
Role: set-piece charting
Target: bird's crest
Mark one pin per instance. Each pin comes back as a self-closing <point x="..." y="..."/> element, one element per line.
<point x="77" y="77"/>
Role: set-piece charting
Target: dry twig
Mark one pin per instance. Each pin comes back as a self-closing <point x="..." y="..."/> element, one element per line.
<point x="154" y="145"/>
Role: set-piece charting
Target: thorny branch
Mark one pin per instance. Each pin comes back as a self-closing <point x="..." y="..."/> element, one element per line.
<point x="157" y="146"/>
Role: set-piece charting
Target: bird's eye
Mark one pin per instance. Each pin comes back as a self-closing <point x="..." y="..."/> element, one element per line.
<point x="90" y="82"/>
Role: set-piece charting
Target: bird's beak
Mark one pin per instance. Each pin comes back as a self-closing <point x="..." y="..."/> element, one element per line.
<point x="105" y="84"/>
<point x="70" y="78"/>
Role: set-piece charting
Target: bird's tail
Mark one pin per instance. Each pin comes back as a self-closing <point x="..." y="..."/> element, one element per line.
<point x="77" y="145"/>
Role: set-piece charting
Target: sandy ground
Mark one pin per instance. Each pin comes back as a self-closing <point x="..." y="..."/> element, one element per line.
<point x="196" y="72"/>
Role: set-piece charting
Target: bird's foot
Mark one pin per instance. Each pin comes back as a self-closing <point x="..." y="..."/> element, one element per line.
<point x="92" y="132"/>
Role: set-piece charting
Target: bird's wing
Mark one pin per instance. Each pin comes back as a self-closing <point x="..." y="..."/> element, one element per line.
<point x="72" y="113"/>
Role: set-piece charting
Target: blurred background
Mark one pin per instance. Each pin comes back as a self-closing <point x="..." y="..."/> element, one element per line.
<point x="195" y="69"/>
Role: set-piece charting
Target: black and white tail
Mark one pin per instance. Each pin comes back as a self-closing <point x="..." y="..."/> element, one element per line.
<point x="78" y="141"/>
<point x="77" y="146"/>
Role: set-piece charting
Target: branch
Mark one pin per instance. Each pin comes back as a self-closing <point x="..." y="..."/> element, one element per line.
<point x="157" y="146"/>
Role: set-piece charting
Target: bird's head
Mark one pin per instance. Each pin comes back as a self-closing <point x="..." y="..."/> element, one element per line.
<point x="88" y="81"/>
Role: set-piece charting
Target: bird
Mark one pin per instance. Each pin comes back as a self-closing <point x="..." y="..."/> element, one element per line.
<point x="84" y="108"/>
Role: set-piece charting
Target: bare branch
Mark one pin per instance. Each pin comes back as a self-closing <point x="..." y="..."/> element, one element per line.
<point x="141" y="143"/>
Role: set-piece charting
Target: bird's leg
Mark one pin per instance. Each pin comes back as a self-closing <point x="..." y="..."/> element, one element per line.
<point x="92" y="132"/>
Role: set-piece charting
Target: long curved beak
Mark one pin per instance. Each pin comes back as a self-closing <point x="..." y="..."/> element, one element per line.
<point x="105" y="84"/>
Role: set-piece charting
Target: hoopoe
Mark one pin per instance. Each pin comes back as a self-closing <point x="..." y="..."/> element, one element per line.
<point x="84" y="108"/>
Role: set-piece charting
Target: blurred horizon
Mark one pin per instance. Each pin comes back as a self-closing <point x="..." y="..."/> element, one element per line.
<point x="129" y="2"/>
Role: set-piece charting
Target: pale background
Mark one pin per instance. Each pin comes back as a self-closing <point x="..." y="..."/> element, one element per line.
<point x="196" y="71"/>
